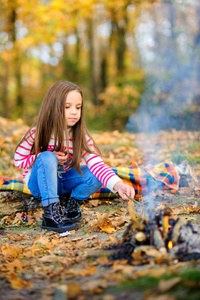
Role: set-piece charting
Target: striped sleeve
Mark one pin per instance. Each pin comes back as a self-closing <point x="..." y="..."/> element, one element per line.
<point x="23" y="157"/>
<point x="102" y="171"/>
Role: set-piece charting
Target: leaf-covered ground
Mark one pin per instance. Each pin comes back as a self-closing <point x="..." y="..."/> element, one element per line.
<point x="43" y="265"/>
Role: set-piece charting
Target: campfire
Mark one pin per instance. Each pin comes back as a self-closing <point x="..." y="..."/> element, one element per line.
<point x="158" y="234"/>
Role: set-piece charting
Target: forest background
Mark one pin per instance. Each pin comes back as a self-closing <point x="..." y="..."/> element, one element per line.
<point x="134" y="60"/>
<point x="138" y="64"/>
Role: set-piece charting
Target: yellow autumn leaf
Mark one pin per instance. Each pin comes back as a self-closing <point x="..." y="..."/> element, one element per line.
<point x="107" y="228"/>
<point x="11" y="251"/>
<point x="15" y="265"/>
<point x="86" y="272"/>
<point x="17" y="283"/>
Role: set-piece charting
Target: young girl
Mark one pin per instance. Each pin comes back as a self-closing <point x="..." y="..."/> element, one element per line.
<point x="51" y="152"/>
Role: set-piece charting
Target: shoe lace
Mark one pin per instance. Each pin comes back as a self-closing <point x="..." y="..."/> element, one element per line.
<point x="72" y="205"/>
<point x="57" y="212"/>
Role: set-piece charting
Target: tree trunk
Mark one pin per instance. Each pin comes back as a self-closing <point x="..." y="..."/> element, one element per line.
<point x="12" y="201"/>
<point x="119" y="28"/>
<point x="5" y="101"/>
<point x="104" y="68"/>
<point x="17" y="64"/>
<point x="121" y="48"/>
<point x="95" y="60"/>
<point x="77" y="45"/>
<point x="19" y="94"/>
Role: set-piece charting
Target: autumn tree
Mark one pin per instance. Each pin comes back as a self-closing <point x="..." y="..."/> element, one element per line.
<point x="82" y="41"/>
<point x="12" y="55"/>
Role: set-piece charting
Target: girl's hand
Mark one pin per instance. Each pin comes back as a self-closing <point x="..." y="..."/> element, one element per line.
<point x="124" y="190"/>
<point x="62" y="157"/>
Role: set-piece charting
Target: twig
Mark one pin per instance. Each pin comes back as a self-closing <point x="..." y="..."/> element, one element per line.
<point x="135" y="200"/>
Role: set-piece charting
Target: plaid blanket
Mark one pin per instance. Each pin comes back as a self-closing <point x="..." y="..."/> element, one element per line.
<point x="143" y="179"/>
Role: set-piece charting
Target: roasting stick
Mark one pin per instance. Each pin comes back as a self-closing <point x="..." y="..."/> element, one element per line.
<point x="134" y="200"/>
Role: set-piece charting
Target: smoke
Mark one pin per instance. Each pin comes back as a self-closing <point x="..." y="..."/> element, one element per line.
<point x="169" y="44"/>
<point x="168" y="38"/>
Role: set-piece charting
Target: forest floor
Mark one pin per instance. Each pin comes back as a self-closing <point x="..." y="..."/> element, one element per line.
<point x="38" y="264"/>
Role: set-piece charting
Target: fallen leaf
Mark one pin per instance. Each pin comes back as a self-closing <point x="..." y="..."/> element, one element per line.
<point x="108" y="297"/>
<point x="14" y="237"/>
<point x="11" y="251"/>
<point x="73" y="290"/>
<point x="95" y="286"/>
<point x="107" y="228"/>
<point x="17" y="283"/>
<point x="102" y="220"/>
<point x="113" y="239"/>
<point x="15" y="265"/>
<point x="87" y="272"/>
<point x="153" y="272"/>
<point x="94" y="202"/>
<point x="165" y="285"/>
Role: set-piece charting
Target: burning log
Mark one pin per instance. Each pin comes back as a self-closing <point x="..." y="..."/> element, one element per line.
<point x="158" y="241"/>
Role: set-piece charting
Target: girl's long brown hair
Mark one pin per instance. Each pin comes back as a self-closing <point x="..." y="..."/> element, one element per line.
<point x="51" y="120"/>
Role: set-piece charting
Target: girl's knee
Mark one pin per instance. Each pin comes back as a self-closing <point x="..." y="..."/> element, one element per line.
<point x="90" y="178"/>
<point x="92" y="185"/>
<point x="48" y="157"/>
<point x="87" y="174"/>
<point x="84" y="169"/>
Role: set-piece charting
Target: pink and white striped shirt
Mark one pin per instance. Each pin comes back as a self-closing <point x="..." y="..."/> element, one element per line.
<point x="23" y="159"/>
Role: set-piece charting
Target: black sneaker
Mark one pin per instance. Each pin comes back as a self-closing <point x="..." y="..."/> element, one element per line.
<point x="53" y="219"/>
<point x="72" y="210"/>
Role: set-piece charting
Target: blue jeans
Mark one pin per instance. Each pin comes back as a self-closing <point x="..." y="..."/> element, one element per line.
<point x="46" y="184"/>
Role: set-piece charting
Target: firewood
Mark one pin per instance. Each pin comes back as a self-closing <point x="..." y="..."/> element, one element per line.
<point x="175" y="233"/>
<point x="143" y="248"/>
<point x="137" y="222"/>
<point x="140" y="236"/>
<point x="157" y="239"/>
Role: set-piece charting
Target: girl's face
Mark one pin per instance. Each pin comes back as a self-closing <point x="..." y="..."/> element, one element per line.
<point x="73" y="106"/>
